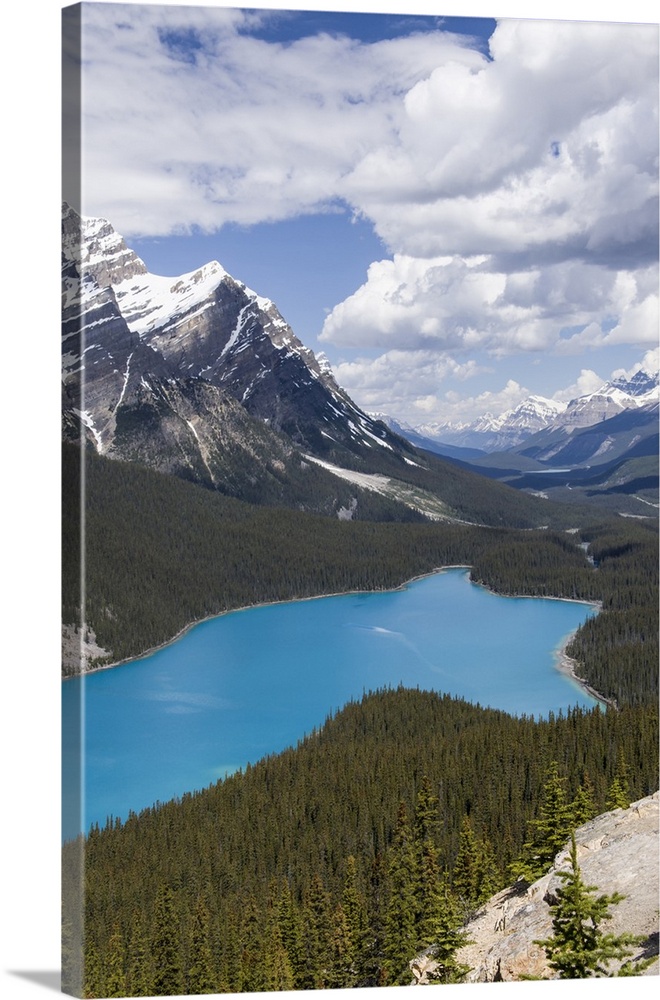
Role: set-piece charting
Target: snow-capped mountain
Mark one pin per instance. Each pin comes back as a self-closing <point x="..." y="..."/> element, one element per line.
<point x="501" y="432"/>
<point x="200" y="377"/>
<point x="491" y="432"/>
<point x="124" y="327"/>
<point x="611" y="399"/>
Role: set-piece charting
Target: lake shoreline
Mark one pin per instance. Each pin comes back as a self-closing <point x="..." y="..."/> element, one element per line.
<point x="265" y="604"/>
<point x="565" y="664"/>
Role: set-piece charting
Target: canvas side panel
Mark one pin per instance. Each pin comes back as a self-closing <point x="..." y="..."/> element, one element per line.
<point x="72" y="532"/>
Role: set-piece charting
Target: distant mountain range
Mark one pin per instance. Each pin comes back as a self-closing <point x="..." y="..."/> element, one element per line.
<point x="601" y="447"/>
<point x="536" y="413"/>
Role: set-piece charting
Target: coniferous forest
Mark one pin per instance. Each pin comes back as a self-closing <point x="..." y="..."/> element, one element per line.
<point x="333" y="863"/>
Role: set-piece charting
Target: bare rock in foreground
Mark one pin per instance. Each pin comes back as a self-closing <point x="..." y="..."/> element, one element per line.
<point x="617" y="852"/>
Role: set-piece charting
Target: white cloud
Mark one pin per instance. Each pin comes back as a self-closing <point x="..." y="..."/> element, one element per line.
<point x="550" y="144"/>
<point x="517" y="193"/>
<point x="226" y="126"/>
<point x="588" y="381"/>
<point x="402" y="383"/>
<point x="456" y="409"/>
<point x="462" y="305"/>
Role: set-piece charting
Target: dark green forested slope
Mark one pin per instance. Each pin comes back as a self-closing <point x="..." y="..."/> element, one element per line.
<point x="161" y="553"/>
<point x="310" y="868"/>
<point x="306" y="870"/>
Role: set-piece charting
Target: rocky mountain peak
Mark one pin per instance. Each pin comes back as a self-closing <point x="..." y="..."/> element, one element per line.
<point x="97" y="249"/>
<point x="136" y="344"/>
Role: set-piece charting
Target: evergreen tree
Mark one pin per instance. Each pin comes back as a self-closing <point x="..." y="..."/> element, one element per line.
<point x="277" y="965"/>
<point x="489" y="876"/>
<point x="550" y="830"/>
<point x="429" y="898"/>
<point x="426" y="813"/>
<point x="168" y="977"/>
<point x="578" y="948"/>
<point x="400" y="936"/>
<point x="94" y="981"/>
<point x="355" y="910"/>
<point x="467" y="870"/>
<point x="140" y="976"/>
<point x="339" y="973"/>
<point x="115" y="980"/>
<point x="448" y="937"/>
<point x="583" y="806"/>
<point x="376" y="912"/>
<point x="618" y="796"/>
<point x="250" y="971"/>
<point x="200" y="975"/>
<point x="316" y="924"/>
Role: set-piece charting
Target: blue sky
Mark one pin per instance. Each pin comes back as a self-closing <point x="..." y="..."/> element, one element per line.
<point x="457" y="211"/>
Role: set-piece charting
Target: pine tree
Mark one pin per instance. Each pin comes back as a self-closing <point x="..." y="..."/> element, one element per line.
<point x="583" y="805"/>
<point x="250" y="973"/>
<point x="168" y="978"/>
<point x="429" y="898"/>
<point x="115" y="979"/>
<point x="426" y="813"/>
<point x="277" y="966"/>
<point x="339" y="973"/>
<point x="400" y="936"/>
<point x="578" y="948"/>
<point x="468" y="870"/>
<point x="355" y="910"/>
<point x="550" y="830"/>
<point x="200" y="975"/>
<point x="316" y="924"/>
<point x="448" y="937"/>
<point x="94" y="981"/>
<point x="140" y="976"/>
<point x="618" y="796"/>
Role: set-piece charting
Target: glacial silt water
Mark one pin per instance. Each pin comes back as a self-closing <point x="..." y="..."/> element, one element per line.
<point x="250" y="683"/>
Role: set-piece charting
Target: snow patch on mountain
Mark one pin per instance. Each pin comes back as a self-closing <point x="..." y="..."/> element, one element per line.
<point x="493" y="432"/>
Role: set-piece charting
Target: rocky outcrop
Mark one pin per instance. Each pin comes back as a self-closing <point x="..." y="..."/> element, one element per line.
<point x="617" y="852"/>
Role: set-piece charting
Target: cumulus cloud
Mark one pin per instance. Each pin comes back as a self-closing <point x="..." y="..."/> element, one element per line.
<point x="588" y="381"/>
<point x="403" y="384"/>
<point x="517" y="192"/>
<point x="457" y="409"/>
<point x="550" y="145"/>
<point x="460" y="304"/>
<point x="191" y="121"/>
<point x="649" y="363"/>
<point x="411" y="386"/>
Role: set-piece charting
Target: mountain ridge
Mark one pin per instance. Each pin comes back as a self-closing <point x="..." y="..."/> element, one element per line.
<point x="536" y="413"/>
<point x="200" y="377"/>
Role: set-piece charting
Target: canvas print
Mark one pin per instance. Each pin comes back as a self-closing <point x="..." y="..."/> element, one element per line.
<point x="360" y="500"/>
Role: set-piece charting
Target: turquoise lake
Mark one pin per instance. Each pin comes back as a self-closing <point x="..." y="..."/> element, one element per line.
<point x="253" y="682"/>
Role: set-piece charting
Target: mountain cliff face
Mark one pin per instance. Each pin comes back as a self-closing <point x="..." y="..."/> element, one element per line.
<point x="124" y="326"/>
<point x="617" y="852"/>
<point x="200" y="377"/>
